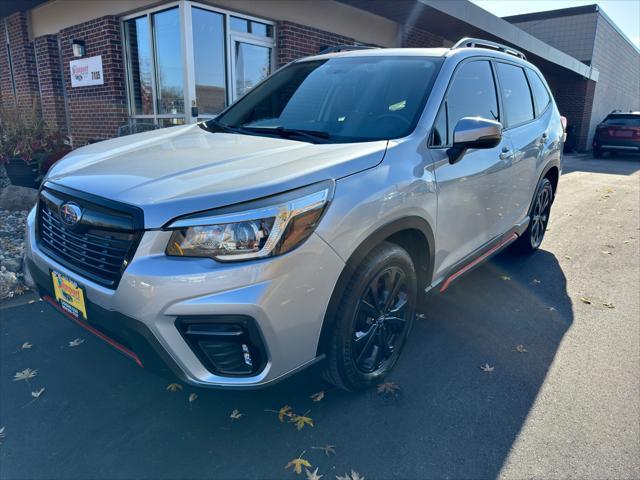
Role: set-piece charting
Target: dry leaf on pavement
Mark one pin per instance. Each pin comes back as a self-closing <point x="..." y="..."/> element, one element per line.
<point x="505" y="277"/>
<point x="486" y="368"/>
<point x="37" y="393"/>
<point x="585" y="300"/>
<point x="353" y="476"/>
<point x="316" y="397"/>
<point x="284" y="412"/>
<point x="312" y="475"/>
<point x="298" y="463"/>
<point x="609" y="305"/>
<point x="25" y="346"/>
<point x="388" y="387"/>
<point x="301" y="420"/>
<point x="521" y="349"/>
<point x="235" y="415"/>
<point x="25" y="374"/>
<point x="327" y="449"/>
<point x="2" y="434"/>
<point x="536" y="281"/>
<point x="76" y="342"/>
<point x="174" y="387"/>
<point x="193" y="397"/>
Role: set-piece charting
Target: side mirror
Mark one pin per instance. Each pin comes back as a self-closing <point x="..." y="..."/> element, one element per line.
<point x="474" y="132"/>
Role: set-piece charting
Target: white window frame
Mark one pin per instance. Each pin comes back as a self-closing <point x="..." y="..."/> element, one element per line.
<point x="186" y="44"/>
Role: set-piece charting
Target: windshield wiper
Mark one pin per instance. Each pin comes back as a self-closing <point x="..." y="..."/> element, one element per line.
<point x="314" y="136"/>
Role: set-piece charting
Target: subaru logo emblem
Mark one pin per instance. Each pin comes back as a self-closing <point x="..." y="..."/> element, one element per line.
<point x="70" y="213"/>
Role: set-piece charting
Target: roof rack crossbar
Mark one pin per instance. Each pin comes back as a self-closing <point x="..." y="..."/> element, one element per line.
<point x="345" y="48"/>
<point x="480" y="43"/>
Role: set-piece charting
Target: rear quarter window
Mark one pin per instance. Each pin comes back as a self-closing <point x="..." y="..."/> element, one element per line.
<point x="541" y="97"/>
<point x="516" y="96"/>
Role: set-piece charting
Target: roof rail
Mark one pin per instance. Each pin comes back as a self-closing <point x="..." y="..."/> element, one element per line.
<point x="345" y="48"/>
<point x="480" y="43"/>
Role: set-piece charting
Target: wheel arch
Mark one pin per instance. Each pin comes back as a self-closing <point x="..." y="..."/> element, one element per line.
<point x="414" y="234"/>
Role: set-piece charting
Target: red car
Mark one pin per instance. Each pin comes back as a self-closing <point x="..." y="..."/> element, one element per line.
<point x="619" y="132"/>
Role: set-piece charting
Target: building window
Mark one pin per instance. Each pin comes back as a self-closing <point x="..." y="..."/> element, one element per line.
<point x="187" y="61"/>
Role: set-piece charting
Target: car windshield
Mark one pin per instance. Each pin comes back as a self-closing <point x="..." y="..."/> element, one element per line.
<point x="623" y="120"/>
<point x="344" y="99"/>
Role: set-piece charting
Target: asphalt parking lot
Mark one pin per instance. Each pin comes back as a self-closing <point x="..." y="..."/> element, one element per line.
<point x="566" y="403"/>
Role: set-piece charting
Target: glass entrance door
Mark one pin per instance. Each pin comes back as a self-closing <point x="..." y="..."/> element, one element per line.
<point x="251" y="63"/>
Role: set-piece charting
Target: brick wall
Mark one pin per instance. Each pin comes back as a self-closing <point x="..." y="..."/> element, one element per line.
<point x="96" y="112"/>
<point x="411" y="37"/>
<point x="50" y="81"/>
<point x="296" y="41"/>
<point x="574" y="97"/>
<point x="23" y="64"/>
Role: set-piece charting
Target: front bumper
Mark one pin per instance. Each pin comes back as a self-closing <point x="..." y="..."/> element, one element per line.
<point x="287" y="297"/>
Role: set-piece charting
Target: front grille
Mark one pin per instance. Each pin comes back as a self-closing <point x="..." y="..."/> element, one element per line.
<point x="98" y="248"/>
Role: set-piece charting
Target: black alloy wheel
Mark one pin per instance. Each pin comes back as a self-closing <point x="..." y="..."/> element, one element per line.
<point x="380" y="320"/>
<point x="373" y="318"/>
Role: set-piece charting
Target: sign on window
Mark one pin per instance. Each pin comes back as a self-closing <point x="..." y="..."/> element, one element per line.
<point x="86" y="72"/>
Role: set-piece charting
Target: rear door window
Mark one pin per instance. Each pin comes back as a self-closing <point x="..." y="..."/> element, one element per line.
<point x="472" y="94"/>
<point x="516" y="96"/>
<point x="541" y="97"/>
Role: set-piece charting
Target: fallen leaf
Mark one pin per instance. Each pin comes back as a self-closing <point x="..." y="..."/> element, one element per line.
<point x="421" y="315"/>
<point x="552" y="309"/>
<point x="567" y="257"/>
<point x="536" y="281"/>
<point x="2" y="434"/>
<point x="388" y="387"/>
<point x="505" y="277"/>
<point x="327" y="449"/>
<point x="585" y="300"/>
<point x="521" y="349"/>
<point x="298" y="463"/>
<point x="353" y="476"/>
<point x="235" y="415"/>
<point x="301" y="420"/>
<point x="316" y="397"/>
<point x="486" y="368"/>
<point x="626" y="241"/>
<point x="25" y="346"/>
<point x="193" y="397"/>
<point x="76" y="342"/>
<point x="37" y="393"/>
<point x="25" y="374"/>
<point x="607" y="252"/>
<point x="284" y="412"/>
<point x="312" y="475"/>
<point x="609" y="305"/>
<point x="174" y="387"/>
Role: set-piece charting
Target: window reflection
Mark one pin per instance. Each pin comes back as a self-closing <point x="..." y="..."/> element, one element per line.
<point x="140" y="65"/>
<point x="252" y="64"/>
<point x="169" y="67"/>
<point x="208" y="51"/>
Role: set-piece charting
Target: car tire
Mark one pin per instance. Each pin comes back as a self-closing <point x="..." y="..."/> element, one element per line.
<point x="533" y="236"/>
<point x="370" y="329"/>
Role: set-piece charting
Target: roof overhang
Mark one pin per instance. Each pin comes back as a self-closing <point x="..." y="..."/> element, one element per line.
<point x="456" y="19"/>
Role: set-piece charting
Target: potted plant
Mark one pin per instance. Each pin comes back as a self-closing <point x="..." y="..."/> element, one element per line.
<point x="25" y="145"/>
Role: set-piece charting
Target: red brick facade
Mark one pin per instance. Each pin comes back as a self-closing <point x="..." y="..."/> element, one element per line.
<point x="50" y="80"/>
<point x="296" y="41"/>
<point x="96" y="112"/>
<point x="23" y="90"/>
<point x="412" y="37"/>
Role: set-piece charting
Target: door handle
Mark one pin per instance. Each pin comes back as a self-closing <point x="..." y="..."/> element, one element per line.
<point x="544" y="137"/>
<point x="506" y="153"/>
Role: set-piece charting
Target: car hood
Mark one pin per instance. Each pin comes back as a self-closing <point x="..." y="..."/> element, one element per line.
<point x="180" y="170"/>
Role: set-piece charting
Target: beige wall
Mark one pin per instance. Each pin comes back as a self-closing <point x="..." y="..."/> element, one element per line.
<point x="327" y="15"/>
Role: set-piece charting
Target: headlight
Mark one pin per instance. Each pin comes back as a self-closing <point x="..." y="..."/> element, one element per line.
<point x="253" y="230"/>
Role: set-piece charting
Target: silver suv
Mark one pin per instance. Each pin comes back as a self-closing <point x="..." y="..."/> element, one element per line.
<point x="305" y="220"/>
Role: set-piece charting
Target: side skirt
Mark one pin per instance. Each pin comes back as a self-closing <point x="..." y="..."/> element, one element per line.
<point x="479" y="256"/>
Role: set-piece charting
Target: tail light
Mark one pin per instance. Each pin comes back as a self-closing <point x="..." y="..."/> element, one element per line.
<point x="563" y="120"/>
